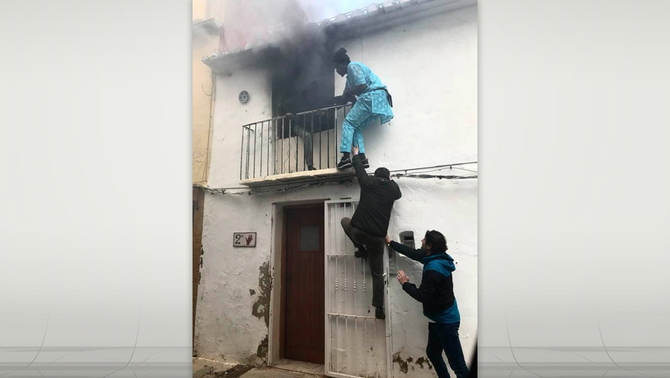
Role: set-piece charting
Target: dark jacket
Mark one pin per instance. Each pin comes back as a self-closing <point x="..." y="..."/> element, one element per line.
<point x="377" y="196"/>
<point x="436" y="292"/>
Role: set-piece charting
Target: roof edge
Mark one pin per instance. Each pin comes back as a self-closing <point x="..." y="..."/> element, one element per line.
<point x="210" y="25"/>
<point x="388" y="14"/>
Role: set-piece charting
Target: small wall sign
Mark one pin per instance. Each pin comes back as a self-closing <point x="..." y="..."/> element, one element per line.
<point x="244" y="239"/>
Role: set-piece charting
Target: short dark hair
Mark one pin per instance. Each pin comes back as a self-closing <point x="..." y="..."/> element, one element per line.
<point x="383" y="173"/>
<point x="437" y="241"/>
<point x="341" y="56"/>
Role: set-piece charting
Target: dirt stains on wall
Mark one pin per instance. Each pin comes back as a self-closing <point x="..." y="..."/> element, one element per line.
<point x="261" y="308"/>
<point x="405" y="364"/>
<point x="262" y="351"/>
<point x="402" y="363"/>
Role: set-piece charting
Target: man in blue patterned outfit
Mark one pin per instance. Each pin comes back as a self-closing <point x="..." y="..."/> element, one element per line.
<point x="436" y="293"/>
<point x="371" y="101"/>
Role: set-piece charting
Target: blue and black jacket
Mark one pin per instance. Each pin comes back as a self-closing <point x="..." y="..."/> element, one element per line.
<point x="436" y="292"/>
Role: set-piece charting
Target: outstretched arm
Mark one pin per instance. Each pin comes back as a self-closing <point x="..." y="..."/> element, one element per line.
<point x="414" y="254"/>
<point x="361" y="175"/>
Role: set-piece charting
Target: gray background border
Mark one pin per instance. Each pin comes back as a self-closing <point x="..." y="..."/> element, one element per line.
<point x="574" y="188"/>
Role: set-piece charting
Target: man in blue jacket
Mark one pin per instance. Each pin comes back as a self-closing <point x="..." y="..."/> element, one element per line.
<point x="436" y="293"/>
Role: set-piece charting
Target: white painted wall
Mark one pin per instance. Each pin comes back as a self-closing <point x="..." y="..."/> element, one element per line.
<point x="230" y="115"/>
<point x="430" y="67"/>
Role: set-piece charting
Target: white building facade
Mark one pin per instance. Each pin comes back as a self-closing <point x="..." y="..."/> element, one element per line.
<point x="297" y="289"/>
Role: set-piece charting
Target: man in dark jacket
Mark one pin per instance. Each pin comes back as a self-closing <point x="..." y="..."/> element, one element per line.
<point x="436" y="293"/>
<point x="369" y="224"/>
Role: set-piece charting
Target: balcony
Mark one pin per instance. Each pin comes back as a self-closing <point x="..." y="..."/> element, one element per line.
<point x="280" y="150"/>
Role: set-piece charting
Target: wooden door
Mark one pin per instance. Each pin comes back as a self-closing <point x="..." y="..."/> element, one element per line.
<point x="304" y="275"/>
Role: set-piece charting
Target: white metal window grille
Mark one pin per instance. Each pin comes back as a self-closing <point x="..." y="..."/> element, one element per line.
<point x="357" y="343"/>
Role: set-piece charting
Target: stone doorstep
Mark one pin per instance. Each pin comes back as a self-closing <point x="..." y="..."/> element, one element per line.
<point x="235" y="372"/>
<point x="205" y="368"/>
<point x="271" y="372"/>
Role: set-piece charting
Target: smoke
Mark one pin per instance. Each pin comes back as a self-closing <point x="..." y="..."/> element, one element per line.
<point x="297" y="52"/>
<point x="252" y="22"/>
<point x="249" y="22"/>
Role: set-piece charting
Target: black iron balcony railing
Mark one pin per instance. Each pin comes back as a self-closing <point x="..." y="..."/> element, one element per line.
<point x="292" y="143"/>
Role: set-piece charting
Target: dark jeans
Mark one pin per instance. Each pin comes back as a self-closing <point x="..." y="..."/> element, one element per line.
<point x="375" y="247"/>
<point x="444" y="337"/>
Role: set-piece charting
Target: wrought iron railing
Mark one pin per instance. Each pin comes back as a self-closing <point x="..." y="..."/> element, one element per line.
<point x="292" y="143"/>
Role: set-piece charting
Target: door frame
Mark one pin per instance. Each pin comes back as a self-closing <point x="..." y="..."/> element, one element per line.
<point x="284" y="255"/>
<point x="276" y="336"/>
<point x="277" y="253"/>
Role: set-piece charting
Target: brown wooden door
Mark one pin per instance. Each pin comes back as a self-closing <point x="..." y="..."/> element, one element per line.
<point x="304" y="310"/>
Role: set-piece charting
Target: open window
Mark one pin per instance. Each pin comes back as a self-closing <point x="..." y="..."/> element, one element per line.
<point x="303" y="80"/>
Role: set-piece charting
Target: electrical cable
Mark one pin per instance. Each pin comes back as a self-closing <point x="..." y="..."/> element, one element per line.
<point x="402" y="173"/>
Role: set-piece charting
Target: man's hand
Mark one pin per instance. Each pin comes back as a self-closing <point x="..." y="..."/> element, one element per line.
<point x="402" y="278"/>
<point x="388" y="240"/>
<point x="354" y="150"/>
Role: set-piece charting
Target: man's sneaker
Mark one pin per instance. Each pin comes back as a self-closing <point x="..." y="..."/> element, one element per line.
<point x="344" y="163"/>
<point x="366" y="164"/>
<point x="379" y="313"/>
<point x="361" y="253"/>
<point x="311" y="168"/>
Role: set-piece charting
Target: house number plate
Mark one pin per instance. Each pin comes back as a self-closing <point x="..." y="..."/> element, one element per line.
<point x="244" y="239"/>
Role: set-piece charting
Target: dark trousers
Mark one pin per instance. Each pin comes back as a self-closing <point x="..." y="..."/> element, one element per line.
<point x="444" y="337"/>
<point x="307" y="136"/>
<point x="306" y="125"/>
<point x="375" y="247"/>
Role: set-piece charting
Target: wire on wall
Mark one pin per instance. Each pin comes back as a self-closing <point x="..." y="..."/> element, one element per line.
<point x="416" y="173"/>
